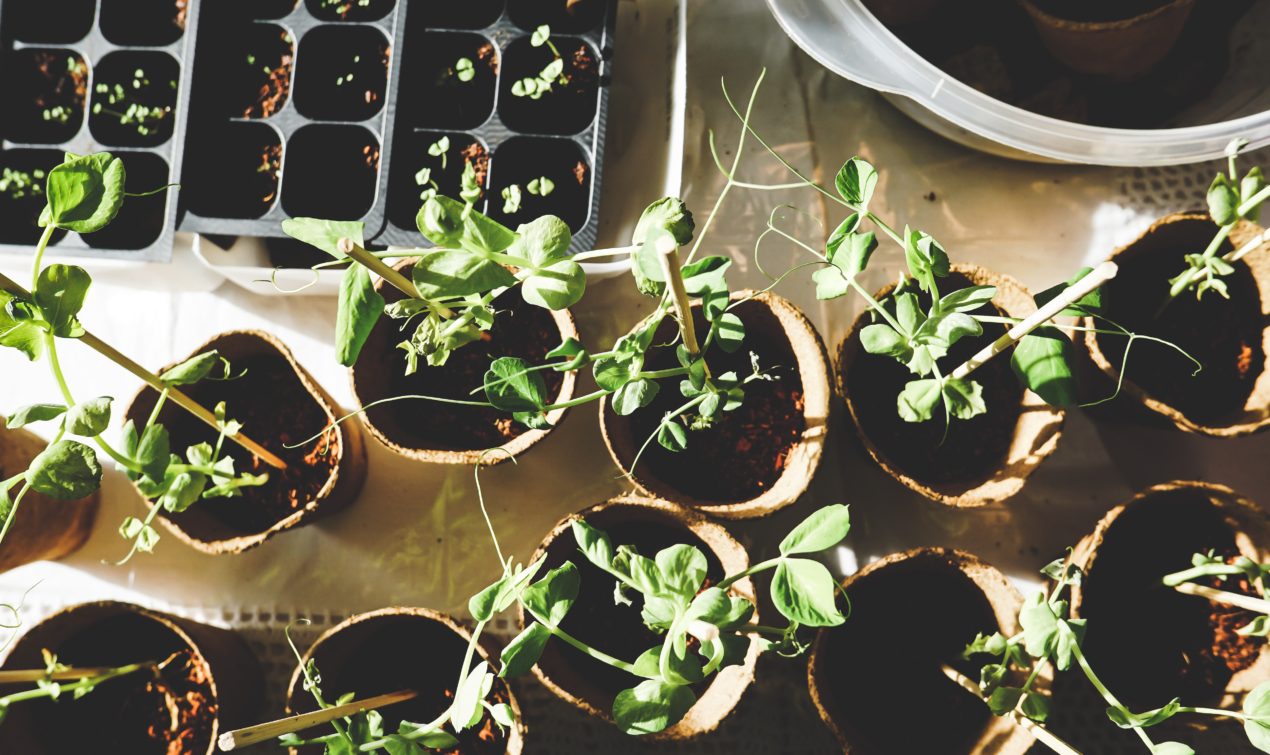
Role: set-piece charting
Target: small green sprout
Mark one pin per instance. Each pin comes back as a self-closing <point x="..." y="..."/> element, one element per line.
<point x="541" y="186"/>
<point x="464" y="69"/>
<point x="511" y="199"/>
<point x="440" y="148"/>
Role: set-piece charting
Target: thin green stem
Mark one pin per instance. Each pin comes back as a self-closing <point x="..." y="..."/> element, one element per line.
<point x="667" y="373"/>
<point x="599" y="655"/>
<point x="36" y="263"/>
<point x="770" y="563"/>
<point x="579" y="401"/>
<point x="13" y="510"/>
<point x="87" y="683"/>
<point x="1196" y="572"/>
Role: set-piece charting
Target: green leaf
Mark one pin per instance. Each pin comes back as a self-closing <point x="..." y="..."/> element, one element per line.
<point x="852" y="254"/>
<point x="360" y="306"/>
<point x="17" y="328"/>
<point x="804" y="591"/>
<point x="1036" y="707"/>
<point x="1223" y="200"/>
<point x="949" y="328"/>
<point x="154" y="452"/>
<point x="633" y="396"/>
<point x="145" y="536"/>
<point x="612" y="373"/>
<point x="59" y="293"/>
<point x="672" y="436"/>
<point x="555" y="286"/>
<point x="668" y="214"/>
<point x="542" y="240"/>
<point x="84" y="193"/>
<point x="193" y="370"/>
<point x="1090" y="303"/>
<point x="435" y="739"/>
<point x="456" y="272"/>
<point x="1043" y="360"/>
<point x="728" y="331"/>
<point x="89" y="418"/>
<point x="523" y="651"/>
<point x="880" y="338"/>
<point x="1257" y="706"/>
<point x="466" y="709"/>
<point x="1176" y="748"/>
<point x="966" y="299"/>
<point x="1128" y="720"/>
<point x="1003" y="700"/>
<point x="1040" y="626"/>
<point x="926" y="259"/>
<point x="551" y="597"/>
<point x="964" y="398"/>
<point x="706" y="276"/>
<point x="829" y="283"/>
<point x="185" y="489"/>
<point x="499" y="596"/>
<point x="683" y="568"/>
<point x="510" y="387"/>
<point x="440" y="220"/>
<point x="502" y="714"/>
<point x="594" y="543"/>
<point x="917" y="402"/>
<point x="822" y="530"/>
<point x="847" y="227"/>
<point x="65" y="470"/>
<point x="648" y="664"/>
<point x="651" y="706"/>
<point x="856" y="181"/>
<point x="326" y="234"/>
<point x="34" y="413"/>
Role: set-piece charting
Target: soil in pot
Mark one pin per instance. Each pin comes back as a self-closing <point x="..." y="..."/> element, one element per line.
<point x="416" y="171"/>
<point x="49" y="21"/>
<point x="345" y="73"/>
<point x="1224" y="335"/>
<point x="1197" y="655"/>
<point x="248" y="74"/>
<point x="893" y="607"/>
<point x="322" y="156"/>
<point x="143" y="23"/>
<point x="563" y="16"/>
<point x="140" y="714"/>
<point x="524" y="159"/>
<point x="276" y="411"/>
<point x="350" y="10"/>
<point x="968" y="451"/>
<point x="134" y="99"/>
<point x="23" y="173"/>
<point x="520" y="330"/>
<point x="45" y="90"/>
<point x="744" y="453"/>
<point x="389" y="652"/>
<point x="241" y="173"/>
<point x="567" y="108"/>
<point x="440" y="98"/>
<point x="140" y="219"/>
<point x="471" y="14"/>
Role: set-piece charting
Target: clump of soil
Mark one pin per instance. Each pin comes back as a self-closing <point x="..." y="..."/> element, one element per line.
<point x="47" y="89"/>
<point x="965" y="451"/>
<point x="520" y="330"/>
<point x="744" y="453"/>
<point x="273" y="92"/>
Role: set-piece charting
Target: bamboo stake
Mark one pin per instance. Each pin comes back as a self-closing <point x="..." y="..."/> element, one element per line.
<point x="251" y="735"/>
<point x="1247" y="602"/>
<point x="668" y="253"/>
<point x="350" y="249"/>
<point x="1098" y="276"/>
<point x="61" y="675"/>
<point x="1253" y="243"/>
<point x="152" y="380"/>
<point x="1038" y="732"/>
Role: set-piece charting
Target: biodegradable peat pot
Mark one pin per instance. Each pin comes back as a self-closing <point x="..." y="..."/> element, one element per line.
<point x="1230" y="337"/>
<point x="1196" y="655"/>
<point x="44" y="528"/>
<point x="866" y="696"/>
<point x="443" y="433"/>
<point x="1095" y="41"/>
<point x="758" y="458"/>
<point x="213" y="685"/>
<point x="979" y="461"/>
<point x="403" y="648"/>
<point x="649" y="525"/>
<point x="278" y="403"/>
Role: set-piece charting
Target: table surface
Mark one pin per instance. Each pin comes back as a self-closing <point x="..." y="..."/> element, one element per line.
<point x="416" y="536"/>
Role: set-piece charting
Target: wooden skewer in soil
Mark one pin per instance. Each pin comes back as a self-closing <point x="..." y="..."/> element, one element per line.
<point x="1040" y="733"/>
<point x="1246" y="602"/>
<point x="25" y="676"/>
<point x="251" y="735"/>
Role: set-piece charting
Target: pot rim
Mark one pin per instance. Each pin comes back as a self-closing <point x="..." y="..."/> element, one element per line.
<point x="1069" y="25"/>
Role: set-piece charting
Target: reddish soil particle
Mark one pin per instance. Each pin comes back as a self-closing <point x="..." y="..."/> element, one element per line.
<point x="273" y="92"/>
<point x="486" y="54"/>
<point x="1229" y="651"/>
<point x="476" y="155"/>
<point x="184" y="716"/>
<point x="579" y="173"/>
<point x="67" y="85"/>
<point x="182" y="10"/>
<point x="371" y="152"/>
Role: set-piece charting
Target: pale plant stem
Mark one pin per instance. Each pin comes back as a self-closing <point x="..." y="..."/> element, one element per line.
<point x="1038" y="732"/>
<point x="1246" y="602"/>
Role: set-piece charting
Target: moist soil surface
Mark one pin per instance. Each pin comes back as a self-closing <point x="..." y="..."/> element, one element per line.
<point x="744" y="453"/>
<point x="276" y="411"/>
<point x="597" y="620"/>
<point x="143" y="22"/>
<point x="563" y="16"/>
<point x="567" y="108"/>
<point x="1195" y="658"/>
<point x="321" y="156"/>
<point x="345" y="73"/>
<point x="389" y="653"/>
<point x="992" y="46"/>
<point x="411" y="157"/>
<point x="138" y="714"/>
<point x="1223" y="335"/>
<point x="44" y="81"/>
<point x="249" y="161"/>
<point x="444" y="101"/>
<point x="906" y="621"/>
<point x="934" y="452"/>
<point x="520" y="160"/>
<point x="520" y="330"/>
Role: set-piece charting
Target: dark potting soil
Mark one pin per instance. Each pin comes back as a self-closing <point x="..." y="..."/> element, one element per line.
<point x="131" y="110"/>
<point x="249" y="159"/>
<point x="563" y="16"/>
<point x="1196" y="657"/>
<point x="744" y="453"/>
<point x="345" y="73"/>
<point x="568" y="108"/>
<point x="522" y="159"/>
<point x="325" y="155"/>
<point x="50" y="21"/>
<point x="442" y="100"/>
<point x="389" y="653"/>
<point x="992" y="45"/>
<point x="520" y="330"/>
<point x="1224" y="335"/>
<point x="275" y="410"/>
<point x="597" y="620"/>
<point x="23" y="173"/>
<point x="893" y="608"/>
<point x="471" y="14"/>
<point x="171" y="713"/>
<point x="350" y="10"/>
<point x="145" y="23"/>
<point x="967" y="451"/>
<point x="411" y="157"/>
<point x="47" y="90"/>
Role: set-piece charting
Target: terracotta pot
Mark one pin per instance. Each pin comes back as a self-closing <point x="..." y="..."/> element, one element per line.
<point x="902" y="12"/>
<point x="199" y="526"/>
<point x="1124" y="49"/>
<point x="1035" y="435"/>
<point x="886" y="591"/>
<point x="113" y="634"/>
<point x="768" y="319"/>
<point x="1158" y="531"/>
<point x="383" y="651"/>
<point x="1167" y="240"/>
<point x="591" y="685"/>
<point x="44" y="528"/>
<point x="380" y="361"/>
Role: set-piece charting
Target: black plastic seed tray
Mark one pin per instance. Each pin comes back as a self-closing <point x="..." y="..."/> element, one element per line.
<point x="90" y="75"/>
<point x="328" y="108"/>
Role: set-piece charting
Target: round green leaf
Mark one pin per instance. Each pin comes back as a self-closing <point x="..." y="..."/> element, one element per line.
<point x="804" y="591"/>
<point x="822" y="530"/>
<point x="65" y="470"/>
<point x="651" y="706"/>
<point x="84" y="193"/>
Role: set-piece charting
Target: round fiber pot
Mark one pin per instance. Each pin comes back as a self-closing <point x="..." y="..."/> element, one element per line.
<point x="444" y="433"/>
<point x="403" y="648"/>
<point x="756" y="459"/>
<point x="1099" y="43"/>
<point x="210" y="683"/>
<point x="279" y="404"/>
<point x="855" y="685"/>
<point x="979" y="461"/>
<point x="44" y="528"/>
<point x="1230" y="337"/>
<point x="591" y="685"/>
<point x="1199" y="658"/>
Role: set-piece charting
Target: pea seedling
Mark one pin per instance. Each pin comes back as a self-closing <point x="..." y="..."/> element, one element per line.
<point x="119" y="104"/>
<point x="551" y="76"/>
<point x="84" y="195"/>
<point x="1049" y="637"/>
<point x="1208" y="566"/>
<point x="57" y="679"/>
